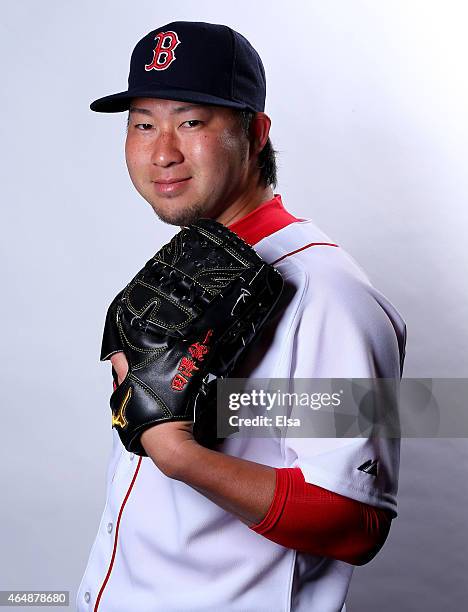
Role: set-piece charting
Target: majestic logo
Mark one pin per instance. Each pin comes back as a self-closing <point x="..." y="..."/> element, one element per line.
<point x="119" y="419"/>
<point x="370" y="467"/>
<point x="163" y="53"/>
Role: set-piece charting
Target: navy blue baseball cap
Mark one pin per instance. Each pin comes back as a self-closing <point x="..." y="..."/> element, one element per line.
<point x="190" y="61"/>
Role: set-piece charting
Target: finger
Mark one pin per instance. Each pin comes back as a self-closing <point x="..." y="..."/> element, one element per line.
<point x="120" y="365"/>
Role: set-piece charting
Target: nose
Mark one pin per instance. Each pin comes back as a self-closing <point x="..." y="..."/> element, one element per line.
<point x="166" y="150"/>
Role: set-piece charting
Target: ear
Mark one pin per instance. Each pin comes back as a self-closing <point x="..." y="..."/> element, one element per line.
<point x="259" y="132"/>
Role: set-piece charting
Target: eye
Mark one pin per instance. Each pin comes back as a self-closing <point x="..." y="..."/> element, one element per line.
<point x="193" y="121"/>
<point x="143" y="126"/>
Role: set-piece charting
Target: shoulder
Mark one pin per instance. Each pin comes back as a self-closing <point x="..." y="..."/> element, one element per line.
<point x="302" y="247"/>
<point x="303" y="251"/>
<point x="342" y="316"/>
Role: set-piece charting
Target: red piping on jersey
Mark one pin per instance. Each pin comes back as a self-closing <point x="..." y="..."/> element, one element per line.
<point x="96" y="605"/>
<point x="265" y="220"/>
<point x="302" y="248"/>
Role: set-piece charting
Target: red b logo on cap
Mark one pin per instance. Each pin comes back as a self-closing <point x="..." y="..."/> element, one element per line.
<point x="163" y="54"/>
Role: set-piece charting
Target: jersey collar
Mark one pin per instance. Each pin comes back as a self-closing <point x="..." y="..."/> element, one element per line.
<point x="268" y="218"/>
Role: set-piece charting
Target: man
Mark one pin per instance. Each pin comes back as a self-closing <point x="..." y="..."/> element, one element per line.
<point x="258" y="524"/>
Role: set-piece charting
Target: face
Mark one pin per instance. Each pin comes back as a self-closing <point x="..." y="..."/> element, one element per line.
<point x="187" y="160"/>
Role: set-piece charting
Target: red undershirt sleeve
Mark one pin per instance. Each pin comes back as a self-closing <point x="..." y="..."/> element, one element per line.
<point x="314" y="520"/>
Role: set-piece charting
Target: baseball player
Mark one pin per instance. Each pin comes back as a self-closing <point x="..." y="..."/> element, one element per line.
<point x="251" y="524"/>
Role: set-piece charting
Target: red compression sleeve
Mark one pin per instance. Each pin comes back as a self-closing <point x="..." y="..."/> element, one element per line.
<point x="320" y="522"/>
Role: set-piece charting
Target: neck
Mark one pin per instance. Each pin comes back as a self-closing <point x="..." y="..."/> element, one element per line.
<point x="246" y="203"/>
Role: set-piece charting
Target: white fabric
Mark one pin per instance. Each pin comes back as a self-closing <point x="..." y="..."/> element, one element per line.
<point x="179" y="552"/>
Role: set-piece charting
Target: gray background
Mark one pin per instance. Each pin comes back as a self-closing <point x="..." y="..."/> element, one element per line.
<point x="368" y="102"/>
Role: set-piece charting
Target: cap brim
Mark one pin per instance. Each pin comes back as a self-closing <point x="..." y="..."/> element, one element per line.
<point x="119" y="102"/>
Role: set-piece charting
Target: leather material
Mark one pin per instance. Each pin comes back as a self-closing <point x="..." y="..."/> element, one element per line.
<point x="190" y="312"/>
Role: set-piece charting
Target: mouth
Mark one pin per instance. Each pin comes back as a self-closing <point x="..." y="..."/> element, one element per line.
<point x="171" y="185"/>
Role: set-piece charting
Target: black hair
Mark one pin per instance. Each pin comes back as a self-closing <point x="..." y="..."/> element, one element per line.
<point x="267" y="156"/>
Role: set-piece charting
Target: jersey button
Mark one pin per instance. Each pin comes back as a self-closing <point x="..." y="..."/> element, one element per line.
<point x="87" y="597"/>
<point x="109" y="527"/>
<point x="132" y="456"/>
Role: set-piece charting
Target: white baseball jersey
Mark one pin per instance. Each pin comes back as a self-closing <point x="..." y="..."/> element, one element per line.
<point x="163" y="547"/>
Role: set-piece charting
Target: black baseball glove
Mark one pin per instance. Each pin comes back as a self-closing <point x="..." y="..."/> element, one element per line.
<point x="188" y="314"/>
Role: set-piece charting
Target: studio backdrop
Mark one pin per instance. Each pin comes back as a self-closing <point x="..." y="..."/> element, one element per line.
<point x="368" y="102"/>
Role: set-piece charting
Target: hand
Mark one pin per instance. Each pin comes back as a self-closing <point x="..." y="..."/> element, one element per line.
<point x="161" y="442"/>
<point x="120" y="365"/>
<point x="166" y="444"/>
